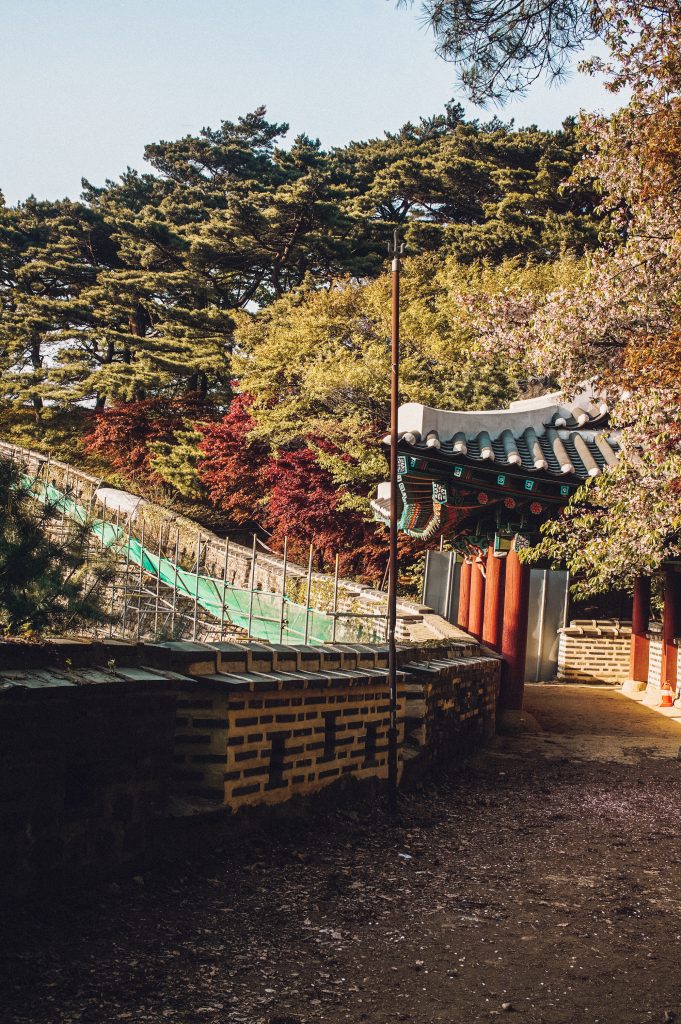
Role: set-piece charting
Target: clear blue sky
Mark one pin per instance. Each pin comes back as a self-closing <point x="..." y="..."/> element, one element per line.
<point x="84" y="84"/>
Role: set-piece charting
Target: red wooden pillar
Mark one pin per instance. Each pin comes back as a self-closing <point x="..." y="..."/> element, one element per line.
<point x="640" y="622"/>
<point x="671" y="625"/>
<point x="477" y="606"/>
<point x="494" y="600"/>
<point x="464" y="595"/>
<point x="514" y="632"/>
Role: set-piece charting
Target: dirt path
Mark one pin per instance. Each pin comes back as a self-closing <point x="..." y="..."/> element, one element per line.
<point x="546" y="875"/>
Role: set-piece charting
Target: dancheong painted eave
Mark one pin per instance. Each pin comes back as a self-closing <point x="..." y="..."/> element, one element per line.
<point x="478" y="474"/>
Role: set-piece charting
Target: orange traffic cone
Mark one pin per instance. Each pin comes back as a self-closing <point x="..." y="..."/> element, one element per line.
<point x="667" y="696"/>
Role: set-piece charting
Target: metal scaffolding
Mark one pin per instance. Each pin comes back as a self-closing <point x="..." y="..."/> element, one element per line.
<point x="159" y="591"/>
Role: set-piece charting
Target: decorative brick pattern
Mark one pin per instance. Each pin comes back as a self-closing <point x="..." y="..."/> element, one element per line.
<point x="655" y="660"/>
<point x="261" y="737"/>
<point x="451" y="705"/>
<point x="596" y="651"/>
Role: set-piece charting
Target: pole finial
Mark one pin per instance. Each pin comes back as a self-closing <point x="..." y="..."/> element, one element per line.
<point x="395" y="248"/>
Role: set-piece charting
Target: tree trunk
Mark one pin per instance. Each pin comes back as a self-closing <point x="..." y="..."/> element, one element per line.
<point x="37" y="364"/>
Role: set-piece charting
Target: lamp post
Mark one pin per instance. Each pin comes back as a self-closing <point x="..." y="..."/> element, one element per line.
<point x="395" y="251"/>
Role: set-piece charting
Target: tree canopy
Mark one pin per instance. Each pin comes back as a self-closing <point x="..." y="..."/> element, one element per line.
<point x="225" y="312"/>
<point x="134" y="291"/>
<point x="619" y="325"/>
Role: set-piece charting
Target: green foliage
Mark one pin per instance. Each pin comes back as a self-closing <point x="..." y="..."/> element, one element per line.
<point x="46" y="586"/>
<point x="135" y="291"/>
<point x="176" y="461"/>
<point x="234" y="267"/>
<point x="475" y="191"/>
<point x="317" y="361"/>
<point x="500" y="49"/>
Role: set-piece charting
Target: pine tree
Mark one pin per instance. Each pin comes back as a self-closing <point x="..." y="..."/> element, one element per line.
<point x="50" y="253"/>
<point x="46" y="585"/>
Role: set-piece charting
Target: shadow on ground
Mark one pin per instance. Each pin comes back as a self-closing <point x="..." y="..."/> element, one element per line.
<point x="539" y="882"/>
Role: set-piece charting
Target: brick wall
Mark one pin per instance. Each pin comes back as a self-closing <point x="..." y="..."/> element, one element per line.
<point x="99" y="741"/>
<point x="85" y="761"/>
<point x="594" y="651"/>
<point x="450" y="707"/>
<point x="266" y="724"/>
<point x="655" y="659"/>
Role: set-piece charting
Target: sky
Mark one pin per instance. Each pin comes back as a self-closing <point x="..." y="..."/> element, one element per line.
<point x="85" y="84"/>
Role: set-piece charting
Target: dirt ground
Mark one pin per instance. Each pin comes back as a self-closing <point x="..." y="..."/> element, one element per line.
<point x="541" y="882"/>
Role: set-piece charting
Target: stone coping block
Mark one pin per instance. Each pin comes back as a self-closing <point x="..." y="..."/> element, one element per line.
<point x="274" y="666"/>
<point x="54" y="681"/>
<point x="181" y="656"/>
<point x="257" y="682"/>
<point x="596" y="627"/>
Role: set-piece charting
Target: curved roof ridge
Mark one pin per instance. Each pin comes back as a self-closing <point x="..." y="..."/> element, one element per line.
<point x="585" y="410"/>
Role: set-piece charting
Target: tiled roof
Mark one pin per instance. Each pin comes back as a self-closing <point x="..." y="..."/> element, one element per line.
<point x="541" y="434"/>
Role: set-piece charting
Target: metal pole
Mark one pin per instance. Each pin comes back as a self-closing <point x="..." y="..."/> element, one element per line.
<point x="113" y="579"/>
<point x="127" y="569"/>
<point x="395" y="251"/>
<point x="177" y="557"/>
<point x="307" y="597"/>
<point x="196" y="590"/>
<point x="101" y="546"/>
<point x="335" y="601"/>
<point x="63" y="500"/>
<point x="283" y="592"/>
<point x="158" y="580"/>
<point x="139" y="594"/>
<point x="250" y="602"/>
<point x="224" y="589"/>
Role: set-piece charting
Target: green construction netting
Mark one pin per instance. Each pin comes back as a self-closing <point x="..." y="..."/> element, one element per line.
<point x="219" y="599"/>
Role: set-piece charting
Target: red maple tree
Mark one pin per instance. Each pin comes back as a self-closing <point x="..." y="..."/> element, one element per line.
<point x="122" y="433"/>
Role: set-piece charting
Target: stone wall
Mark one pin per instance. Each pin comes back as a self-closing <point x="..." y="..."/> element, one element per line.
<point x="101" y="743"/>
<point x="234" y="562"/>
<point x="594" y="651"/>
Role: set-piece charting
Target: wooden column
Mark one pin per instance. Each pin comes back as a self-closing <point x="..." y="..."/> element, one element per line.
<point x="477" y="605"/>
<point x="640" y="623"/>
<point x="494" y="600"/>
<point x="671" y="625"/>
<point x="514" y="632"/>
<point x="464" y="595"/>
